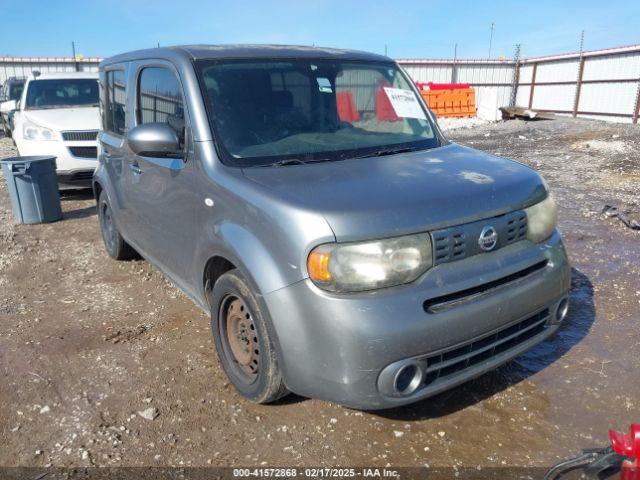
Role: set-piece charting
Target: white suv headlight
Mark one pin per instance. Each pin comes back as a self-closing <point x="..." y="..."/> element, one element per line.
<point x="541" y="220"/>
<point x="352" y="267"/>
<point x="31" y="131"/>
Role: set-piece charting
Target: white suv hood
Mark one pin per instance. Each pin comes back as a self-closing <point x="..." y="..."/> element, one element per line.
<point x="62" y="119"/>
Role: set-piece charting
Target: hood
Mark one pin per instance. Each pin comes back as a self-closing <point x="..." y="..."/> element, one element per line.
<point x="406" y="193"/>
<point x="61" y="119"/>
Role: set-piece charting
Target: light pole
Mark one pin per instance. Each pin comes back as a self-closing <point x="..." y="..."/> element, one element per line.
<point x="491" y="38"/>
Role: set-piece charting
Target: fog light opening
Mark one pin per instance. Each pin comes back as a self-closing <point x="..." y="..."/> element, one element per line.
<point x="563" y="309"/>
<point x="408" y="379"/>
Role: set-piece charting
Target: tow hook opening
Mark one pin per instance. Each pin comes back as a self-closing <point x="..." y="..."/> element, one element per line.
<point x="408" y="379"/>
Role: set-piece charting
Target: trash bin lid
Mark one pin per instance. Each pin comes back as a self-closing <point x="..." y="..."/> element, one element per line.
<point x="28" y="159"/>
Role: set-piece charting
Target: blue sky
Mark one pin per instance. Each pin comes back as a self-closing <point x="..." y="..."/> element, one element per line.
<point x="410" y="29"/>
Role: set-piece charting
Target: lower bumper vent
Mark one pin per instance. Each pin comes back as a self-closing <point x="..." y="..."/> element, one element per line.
<point x="445" y="365"/>
<point x="84" y="152"/>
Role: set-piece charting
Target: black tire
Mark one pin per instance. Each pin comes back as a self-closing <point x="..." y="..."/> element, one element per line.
<point x="260" y="382"/>
<point x="115" y="245"/>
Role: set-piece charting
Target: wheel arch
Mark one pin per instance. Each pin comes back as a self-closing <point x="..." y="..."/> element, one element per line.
<point x="214" y="268"/>
<point x="97" y="189"/>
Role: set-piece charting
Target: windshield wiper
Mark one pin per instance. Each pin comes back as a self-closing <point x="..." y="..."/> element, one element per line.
<point x="387" y="151"/>
<point x="293" y="161"/>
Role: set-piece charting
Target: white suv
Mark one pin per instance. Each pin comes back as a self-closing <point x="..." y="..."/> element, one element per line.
<point x="58" y="115"/>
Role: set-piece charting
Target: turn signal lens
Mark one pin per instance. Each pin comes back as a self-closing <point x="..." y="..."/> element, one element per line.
<point x="359" y="266"/>
<point x="318" y="266"/>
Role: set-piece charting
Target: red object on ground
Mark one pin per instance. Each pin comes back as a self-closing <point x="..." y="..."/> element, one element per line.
<point x="441" y="86"/>
<point x="384" y="109"/>
<point x="347" y="111"/>
<point x="628" y="444"/>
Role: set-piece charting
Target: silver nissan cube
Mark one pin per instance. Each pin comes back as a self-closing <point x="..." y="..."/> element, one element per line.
<point x="306" y="198"/>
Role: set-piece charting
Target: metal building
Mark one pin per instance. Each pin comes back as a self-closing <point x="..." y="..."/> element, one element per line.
<point x="600" y="84"/>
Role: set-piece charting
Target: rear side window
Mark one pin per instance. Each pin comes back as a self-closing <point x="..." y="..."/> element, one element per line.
<point x="15" y="91"/>
<point x="114" y="113"/>
<point x="160" y="99"/>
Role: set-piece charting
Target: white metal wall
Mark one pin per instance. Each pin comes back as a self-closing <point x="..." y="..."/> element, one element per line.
<point x="489" y="78"/>
<point x="609" y="86"/>
<point x="23" y="66"/>
<point x="610" y="79"/>
<point x="439" y="73"/>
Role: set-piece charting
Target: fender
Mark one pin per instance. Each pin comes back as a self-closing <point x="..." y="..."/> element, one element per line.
<point x="249" y="254"/>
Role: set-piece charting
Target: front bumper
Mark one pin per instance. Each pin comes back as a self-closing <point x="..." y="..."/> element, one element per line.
<point x="75" y="179"/>
<point x="341" y="347"/>
<point x="72" y="171"/>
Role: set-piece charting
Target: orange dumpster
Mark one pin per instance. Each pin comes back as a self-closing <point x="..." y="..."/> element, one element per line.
<point x="451" y="102"/>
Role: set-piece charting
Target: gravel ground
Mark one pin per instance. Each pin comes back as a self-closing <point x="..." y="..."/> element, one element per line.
<point x="106" y="363"/>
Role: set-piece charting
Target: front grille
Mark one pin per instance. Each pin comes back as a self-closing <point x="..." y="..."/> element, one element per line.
<point x="456" y="243"/>
<point x="80" y="135"/>
<point x="84" y="152"/>
<point x="84" y="175"/>
<point x="517" y="227"/>
<point x="445" y="365"/>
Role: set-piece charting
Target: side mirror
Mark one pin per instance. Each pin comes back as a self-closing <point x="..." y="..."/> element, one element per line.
<point x="154" y="140"/>
<point x="6" y="107"/>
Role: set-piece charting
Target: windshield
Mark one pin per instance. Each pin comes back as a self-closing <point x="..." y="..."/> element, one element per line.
<point x="62" y="93"/>
<point x="268" y="111"/>
<point x="15" y="90"/>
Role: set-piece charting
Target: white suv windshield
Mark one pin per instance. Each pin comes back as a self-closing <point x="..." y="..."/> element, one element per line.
<point x="268" y="111"/>
<point x="62" y="93"/>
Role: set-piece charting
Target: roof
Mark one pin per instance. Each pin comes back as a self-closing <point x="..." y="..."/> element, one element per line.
<point x="53" y="75"/>
<point x="197" y="52"/>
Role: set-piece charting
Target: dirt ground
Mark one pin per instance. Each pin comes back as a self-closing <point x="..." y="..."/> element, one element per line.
<point x="86" y="343"/>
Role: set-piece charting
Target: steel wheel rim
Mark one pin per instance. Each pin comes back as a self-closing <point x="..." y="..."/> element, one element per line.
<point x="241" y="337"/>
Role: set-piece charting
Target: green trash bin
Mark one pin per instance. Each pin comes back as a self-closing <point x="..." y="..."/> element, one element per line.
<point x="33" y="188"/>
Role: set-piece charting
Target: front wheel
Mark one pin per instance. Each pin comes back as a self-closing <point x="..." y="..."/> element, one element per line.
<point x="243" y="341"/>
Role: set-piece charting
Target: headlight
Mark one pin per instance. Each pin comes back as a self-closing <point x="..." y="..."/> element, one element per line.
<point x="31" y="131"/>
<point x="541" y="220"/>
<point x="352" y="267"/>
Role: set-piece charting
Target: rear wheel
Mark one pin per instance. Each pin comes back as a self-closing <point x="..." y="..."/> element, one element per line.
<point x="243" y="341"/>
<point x="115" y="245"/>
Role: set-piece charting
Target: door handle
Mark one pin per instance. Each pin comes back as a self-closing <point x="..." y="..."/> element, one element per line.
<point x="135" y="168"/>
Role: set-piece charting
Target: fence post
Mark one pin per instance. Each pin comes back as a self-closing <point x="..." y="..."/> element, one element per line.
<point x="454" y="70"/>
<point x="75" y="58"/>
<point x="636" y="110"/>
<point x="516" y="78"/>
<point x="533" y="84"/>
<point x="576" y="100"/>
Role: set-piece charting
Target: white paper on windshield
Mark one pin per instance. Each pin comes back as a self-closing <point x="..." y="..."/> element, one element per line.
<point x="405" y="103"/>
